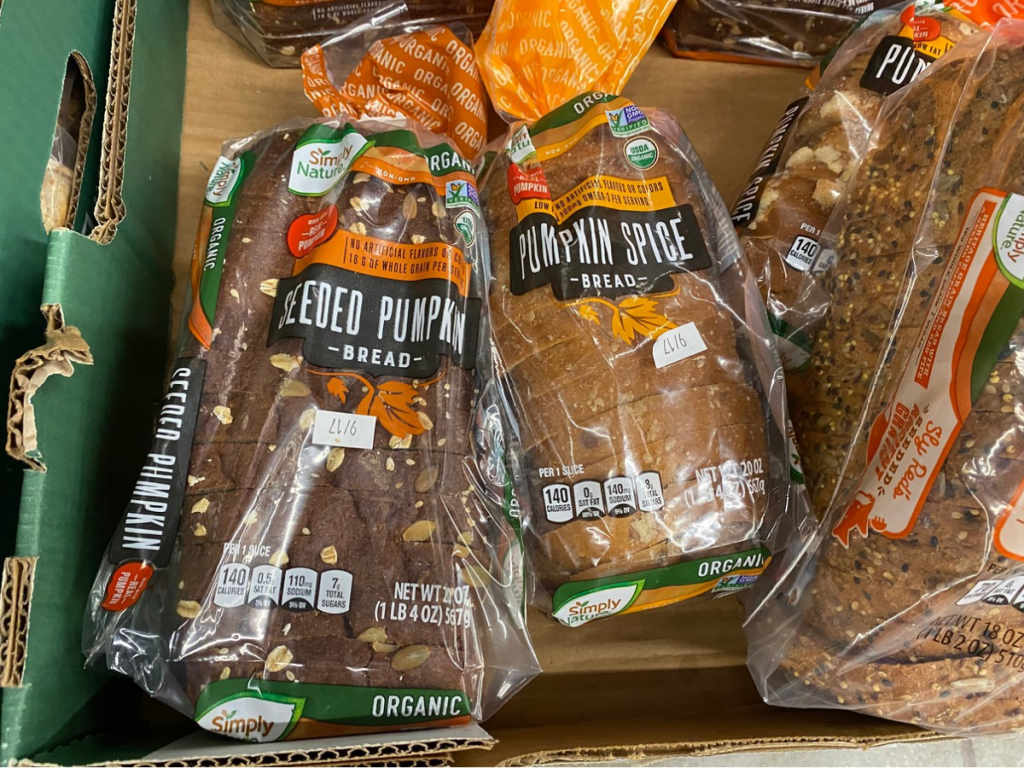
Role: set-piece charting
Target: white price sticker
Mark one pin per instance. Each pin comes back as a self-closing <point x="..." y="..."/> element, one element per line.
<point x="678" y="344"/>
<point x="344" y="430"/>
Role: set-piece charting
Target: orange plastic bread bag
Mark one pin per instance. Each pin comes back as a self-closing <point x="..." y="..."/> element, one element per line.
<point x="535" y="55"/>
<point x="428" y="75"/>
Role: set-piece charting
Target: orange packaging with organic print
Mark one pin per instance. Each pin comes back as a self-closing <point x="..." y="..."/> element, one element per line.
<point x="640" y="392"/>
<point x="908" y="602"/>
<point x="428" y="75"/>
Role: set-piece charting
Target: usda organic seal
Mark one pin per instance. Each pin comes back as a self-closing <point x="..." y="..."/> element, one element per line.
<point x="466" y="225"/>
<point x="641" y="153"/>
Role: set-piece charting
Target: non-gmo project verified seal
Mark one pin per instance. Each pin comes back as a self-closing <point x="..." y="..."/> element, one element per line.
<point x="734" y="583"/>
<point x="461" y="194"/>
<point x="627" y="121"/>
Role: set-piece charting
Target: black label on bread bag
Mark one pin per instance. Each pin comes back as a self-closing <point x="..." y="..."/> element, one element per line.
<point x="148" y="529"/>
<point x="894" y="64"/>
<point x="380" y="326"/>
<point x="745" y="210"/>
<point x="605" y="252"/>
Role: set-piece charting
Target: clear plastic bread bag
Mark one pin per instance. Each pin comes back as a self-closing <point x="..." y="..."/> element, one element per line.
<point x="278" y="31"/>
<point x="907" y="602"/>
<point x="306" y="552"/>
<point x="809" y="158"/>
<point x="795" y="33"/>
<point x="642" y="398"/>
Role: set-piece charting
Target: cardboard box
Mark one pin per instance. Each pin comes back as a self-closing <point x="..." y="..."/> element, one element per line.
<point x="652" y="684"/>
<point x="33" y="61"/>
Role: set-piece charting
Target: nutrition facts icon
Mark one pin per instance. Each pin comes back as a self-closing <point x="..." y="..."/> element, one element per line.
<point x="299" y="589"/>
<point x="618" y="493"/>
<point x="558" y="503"/>
<point x="232" y="581"/>
<point x="1005" y="592"/>
<point x="265" y="586"/>
<point x="335" y="594"/>
<point x="649" y="493"/>
<point x="802" y="254"/>
<point x="588" y="499"/>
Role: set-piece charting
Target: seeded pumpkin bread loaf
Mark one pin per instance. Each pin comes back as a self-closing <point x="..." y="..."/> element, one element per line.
<point x="922" y="626"/>
<point x="260" y="493"/>
<point x="331" y="546"/>
<point x="590" y="401"/>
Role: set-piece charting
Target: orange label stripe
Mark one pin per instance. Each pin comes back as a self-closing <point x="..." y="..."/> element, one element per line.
<point x="393" y="261"/>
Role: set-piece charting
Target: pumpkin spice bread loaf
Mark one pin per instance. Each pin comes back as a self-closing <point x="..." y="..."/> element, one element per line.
<point x="812" y="154"/>
<point x="640" y="389"/>
<point x="643" y="431"/>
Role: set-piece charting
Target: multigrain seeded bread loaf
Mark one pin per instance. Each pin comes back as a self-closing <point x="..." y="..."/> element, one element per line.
<point x="307" y="554"/>
<point x="593" y="402"/>
<point x="909" y="604"/>
<point x="808" y="160"/>
<point x="912" y="186"/>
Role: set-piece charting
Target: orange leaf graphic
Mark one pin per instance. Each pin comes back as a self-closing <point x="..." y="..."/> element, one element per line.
<point x="392" y="404"/>
<point x="337" y="388"/>
<point x="587" y="312"/>
<point x="637" y="315"/>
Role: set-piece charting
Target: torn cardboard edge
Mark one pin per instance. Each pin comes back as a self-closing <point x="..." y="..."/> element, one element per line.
<point x="84" y="135"/>
<point x="15" y="598"/>
<point x="110" y="209"/>
<point x="201" y="748"/>
<point x="661" y="751"/>
<point x="63" y="348"/>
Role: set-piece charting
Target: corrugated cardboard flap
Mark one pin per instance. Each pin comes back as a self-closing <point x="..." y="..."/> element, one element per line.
<point x="64" y="346"/>
<point x="110" y="207"/>
<point x="93" y="428"/>
<point x="654" y="740"/>
<point x="387" y="748"/>
<point x="656" y="685"/>
<point x="15" y="596"/>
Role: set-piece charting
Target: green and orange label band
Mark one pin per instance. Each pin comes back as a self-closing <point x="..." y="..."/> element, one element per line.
<point x="976" y="308"/>
<point x="269" y="710"/>
<point x="215" y="224"/>
<point x="579" y="602"/>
